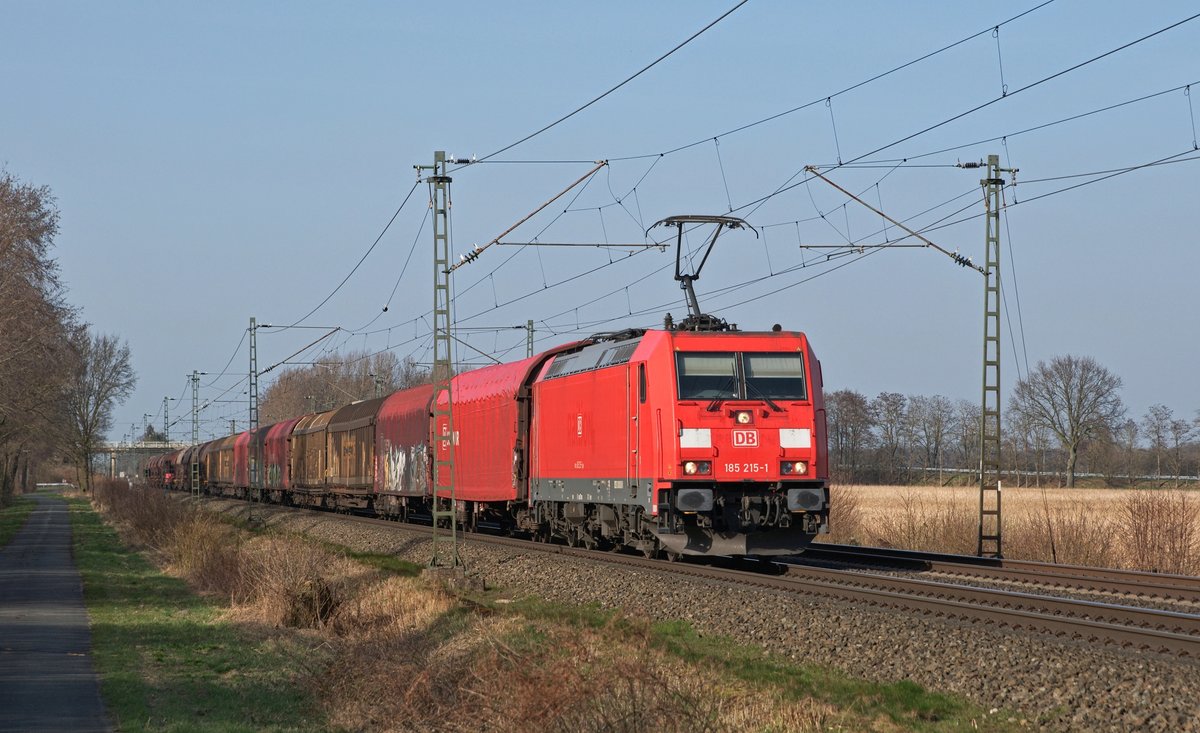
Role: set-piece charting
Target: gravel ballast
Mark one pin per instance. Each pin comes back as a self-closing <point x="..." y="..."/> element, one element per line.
<point x="1054" y="683"/>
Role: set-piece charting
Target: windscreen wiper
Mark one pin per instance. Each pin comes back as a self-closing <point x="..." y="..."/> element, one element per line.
<point x="716" y="403"/>
<point x="762" y="395"/>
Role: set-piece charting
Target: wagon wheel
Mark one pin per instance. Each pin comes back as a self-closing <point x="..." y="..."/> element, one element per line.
<point x="674" y="556"/>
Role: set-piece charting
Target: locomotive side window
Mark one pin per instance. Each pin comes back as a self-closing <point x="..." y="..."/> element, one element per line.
<point x="707" y="376"/>
<point x="774" y="376"/>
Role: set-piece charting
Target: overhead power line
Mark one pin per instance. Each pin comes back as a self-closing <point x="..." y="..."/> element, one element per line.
<point x="840" y="92"/>
<point x="360" y="260"/>
<point x="643" y="70"/>
<point x="789" y="185"/>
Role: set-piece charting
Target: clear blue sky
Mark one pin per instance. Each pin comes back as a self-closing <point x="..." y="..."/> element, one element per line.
<point x="215" y="161"/>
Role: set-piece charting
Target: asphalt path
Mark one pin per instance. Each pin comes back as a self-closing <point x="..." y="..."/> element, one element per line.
<point x="47" y="682"/>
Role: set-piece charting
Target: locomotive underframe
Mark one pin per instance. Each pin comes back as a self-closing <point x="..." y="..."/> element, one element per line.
<point x="710" y="518"/>
<point x="745" y="519"/>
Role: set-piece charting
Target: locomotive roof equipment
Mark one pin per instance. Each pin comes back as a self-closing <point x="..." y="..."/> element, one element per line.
<point x="696" y="320"/>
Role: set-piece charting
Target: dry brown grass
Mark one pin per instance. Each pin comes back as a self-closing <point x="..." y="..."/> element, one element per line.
<point x="1144" y="529"/>
<point x="516" y="675"/>
<point x="846" y="516"/>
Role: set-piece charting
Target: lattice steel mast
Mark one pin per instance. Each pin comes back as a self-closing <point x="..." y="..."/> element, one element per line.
<point x="195" y="467"/>
<point x="255" y="458"/>
<point x="990" y="536"/>
<point x="444" y="497"/>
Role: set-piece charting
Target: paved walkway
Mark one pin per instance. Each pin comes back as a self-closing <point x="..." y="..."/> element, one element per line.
<point x="47" y="682"/>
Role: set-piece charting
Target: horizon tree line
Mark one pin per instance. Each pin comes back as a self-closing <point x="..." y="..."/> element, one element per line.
<point x="1063" y="419"/>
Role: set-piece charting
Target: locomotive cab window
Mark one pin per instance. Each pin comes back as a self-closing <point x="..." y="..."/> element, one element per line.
<point x="707" y="376"/>
<point x="774" y="376"/>
<point x="746" y="376"/>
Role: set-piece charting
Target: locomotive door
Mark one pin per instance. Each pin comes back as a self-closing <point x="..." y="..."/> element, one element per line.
<point x="636" y="400"/>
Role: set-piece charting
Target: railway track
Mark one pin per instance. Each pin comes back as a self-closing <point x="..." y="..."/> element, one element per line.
<point x="1064" y="577"/>
<point x="1158" y="631"/>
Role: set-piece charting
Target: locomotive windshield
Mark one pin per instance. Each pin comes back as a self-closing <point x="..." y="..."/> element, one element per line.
<point x="732" y="376"/>
<point x="707" y="376"/>
<point x="778" y="376"/>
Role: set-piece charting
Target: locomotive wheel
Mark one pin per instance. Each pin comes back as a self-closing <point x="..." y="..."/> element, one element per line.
<point x="674" y="556"/>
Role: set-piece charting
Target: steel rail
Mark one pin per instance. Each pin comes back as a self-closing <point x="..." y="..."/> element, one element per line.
<point x="1105" y="580"/>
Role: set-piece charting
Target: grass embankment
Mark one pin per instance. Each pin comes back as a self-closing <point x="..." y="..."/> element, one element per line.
<point x="1142" y="529"/>
<point x="13" y="516"/>
<point x="385" y="649"/>
<point x="167" y="659"/>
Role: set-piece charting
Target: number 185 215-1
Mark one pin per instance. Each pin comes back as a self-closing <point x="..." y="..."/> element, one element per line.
<point x="747" y="468"/>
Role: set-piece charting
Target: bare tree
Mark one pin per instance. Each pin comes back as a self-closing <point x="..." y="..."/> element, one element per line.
<point x="850" y="425"/>
<point x="966" y="433"/>
<point x="337" y="380"/>
<point x="929" y="420"/>
<point x="1075" y="398"/>
<point x="34" y="326"/>
<point x="1156" y="424"/>
<point x="890" y="409"/>
<point x="1181" y="431"/>
<point x="1126" y="436"/>
<point x="103" y="378"/>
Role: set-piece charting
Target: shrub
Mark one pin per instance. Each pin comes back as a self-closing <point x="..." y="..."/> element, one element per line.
<point x="1160" y="531"/>
<point x="1075" y="535"/>
<point x="923" y="522"/>
<point x="846" y="520"/>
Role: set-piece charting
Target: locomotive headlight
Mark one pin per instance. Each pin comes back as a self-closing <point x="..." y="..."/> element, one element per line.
<point x="788" y="468"/>
<point x="743" y="417"/>
<point x="693" y="468"/>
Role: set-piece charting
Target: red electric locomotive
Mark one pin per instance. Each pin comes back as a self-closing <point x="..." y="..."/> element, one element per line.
<point x="701" y="443"/>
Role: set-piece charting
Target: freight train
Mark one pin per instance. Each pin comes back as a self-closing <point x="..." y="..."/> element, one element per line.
<point x="681" y="442"/>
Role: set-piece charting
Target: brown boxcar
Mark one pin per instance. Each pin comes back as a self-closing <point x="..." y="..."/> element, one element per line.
<point x="309" y="463"/>
<point x="219" y="459"/>
<point x="191" y="454"/>
<point x="351" y="445"/>
<point x="350" y="451"/>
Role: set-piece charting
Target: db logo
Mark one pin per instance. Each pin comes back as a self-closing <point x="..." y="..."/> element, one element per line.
<point x="745" y="438"/>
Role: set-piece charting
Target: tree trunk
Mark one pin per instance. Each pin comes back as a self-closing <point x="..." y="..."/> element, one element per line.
<point x="1072" y="459"/>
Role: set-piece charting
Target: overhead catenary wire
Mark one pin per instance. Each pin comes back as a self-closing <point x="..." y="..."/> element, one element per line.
<point x="788" y="185"/>
<point x="643" y="70"/>
<point x="362" y="259"/>
<point x="840" y="92"/>
<point x="477" y="250"/>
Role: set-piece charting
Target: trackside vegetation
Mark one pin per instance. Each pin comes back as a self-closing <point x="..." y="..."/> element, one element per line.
<point x="212" y="625"/>
<point x="13" y="516"/>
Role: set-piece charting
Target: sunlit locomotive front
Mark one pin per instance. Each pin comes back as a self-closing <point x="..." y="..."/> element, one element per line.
<point x="697" y="443"/>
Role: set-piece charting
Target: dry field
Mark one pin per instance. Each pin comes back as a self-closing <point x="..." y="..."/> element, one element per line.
<point x="1146" y="529"/>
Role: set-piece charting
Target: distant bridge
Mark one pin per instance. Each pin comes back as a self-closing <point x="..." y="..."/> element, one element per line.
<point x="126" y="458"/>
